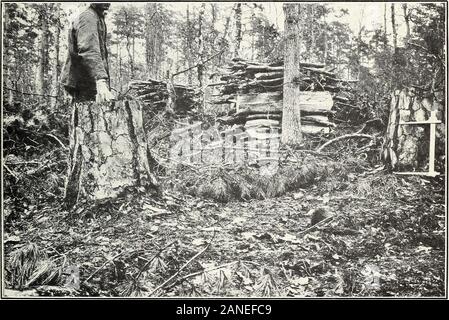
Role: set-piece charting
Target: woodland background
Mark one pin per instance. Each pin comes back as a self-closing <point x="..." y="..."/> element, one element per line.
<point x="159" y="39"/>
<point x="394" y="224"/>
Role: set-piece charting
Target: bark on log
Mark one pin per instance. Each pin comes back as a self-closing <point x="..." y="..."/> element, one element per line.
<point x="311" y="129"/>
<point x="315" y="101"/>
<point x="267" y="110"/>
<point x="256" y="69"/>
<point x="308" y="118"/>
<point x="319" y="120"/>
<point x="108" y="151"/>
<point x="262" y="123"/>
<point x="260" y="107"/>
<point x="264" y="116"/>
<point x="268" y="75"/>
<point x="260" y="97"/>
<point x="270" y="82"/>
<point x="319" y="71"/>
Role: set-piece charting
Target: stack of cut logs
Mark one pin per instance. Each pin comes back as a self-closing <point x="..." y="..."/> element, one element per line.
<point x="156" y="94"/>
<point x="254" y="92"/>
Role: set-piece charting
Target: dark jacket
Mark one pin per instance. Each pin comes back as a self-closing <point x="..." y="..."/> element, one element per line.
<point x="87" y="59"/>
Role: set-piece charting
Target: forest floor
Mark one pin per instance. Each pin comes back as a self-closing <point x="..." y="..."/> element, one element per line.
<point x="385" y="236"/>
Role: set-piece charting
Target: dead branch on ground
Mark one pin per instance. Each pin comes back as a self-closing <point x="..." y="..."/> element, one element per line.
<point x="183" y="267"/>
<point x="346" y="136"/>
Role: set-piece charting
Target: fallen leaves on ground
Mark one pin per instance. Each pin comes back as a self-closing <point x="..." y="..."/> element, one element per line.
<point x="389" y="245"/>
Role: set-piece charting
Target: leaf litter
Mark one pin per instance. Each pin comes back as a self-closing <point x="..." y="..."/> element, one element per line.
<point x="377" y="245"/>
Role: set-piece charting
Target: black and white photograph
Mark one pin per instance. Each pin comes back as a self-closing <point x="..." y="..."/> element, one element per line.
<point x="213" y="150"/>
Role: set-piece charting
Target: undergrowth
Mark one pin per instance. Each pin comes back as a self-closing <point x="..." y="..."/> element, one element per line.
<point x="226" y="183"/>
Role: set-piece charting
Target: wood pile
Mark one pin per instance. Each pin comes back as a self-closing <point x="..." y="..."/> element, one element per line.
<point x="156" y="94"/>
<point x="246" y="76"/>
<point x="255" y="92"/>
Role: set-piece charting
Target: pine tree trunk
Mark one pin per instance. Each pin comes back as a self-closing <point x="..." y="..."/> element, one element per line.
<point x="291" y="120"/>
<point x="201" y="57"/>
<point x="119" y="64"/>
<point x="150" y="11"/>
<point x="133" y="52"/>
<point x="238" y="29"/>
<point x="160" y="57"/>
<point x="108" y="151"/>
<point x="215" y="32"/>
<point x="385" y="26"/>
<point x="407" y="20"/>
<point x="189" y="46"/>
<point x="326" y="48"/>
<point x="7" y="76"/>
<point x="147" y="43"/>
<point x="130" y="56"/>
<point x="223" y="38"/>
<point x="393" y="26"/>
<point x="253" y="27"/>
<point x="312" y="49"/>
<point x="55" y="80"/>
<point x="43" y="43"/>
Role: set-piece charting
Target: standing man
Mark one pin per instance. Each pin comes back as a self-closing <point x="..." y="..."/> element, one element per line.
<point x="85" y="77"/>
<point x="86" y="72"/>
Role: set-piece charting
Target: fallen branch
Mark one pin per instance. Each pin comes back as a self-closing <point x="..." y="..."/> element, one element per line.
<point x="319" y="224"/>
<point x="152" y="258"/>
<point x="339" y="103"/>
<point x="103" y="265"/>
<point x="24" y="162"/>
<point x="202" y="271"/>
<point x="183" y="267"/>
<point x="11" y="172"/>
<point x="346" y="136"/>
<point x="369" y="123"/>
<point x="59" y="141"/>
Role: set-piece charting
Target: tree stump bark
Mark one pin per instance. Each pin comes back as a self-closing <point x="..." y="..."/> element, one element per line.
<point x="108" y="151"/>
<point x="406" y="146"/>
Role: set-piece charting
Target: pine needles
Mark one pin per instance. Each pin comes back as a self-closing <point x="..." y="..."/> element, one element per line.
<point x="29" y="265"/>
<point x="243" y="183"/>
<point x="384" y="186"/>
<point x="217" y="188"/>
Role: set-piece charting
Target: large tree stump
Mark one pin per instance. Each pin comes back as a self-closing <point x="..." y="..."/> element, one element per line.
<point x="108" y="151"/>
<point x="406" y="146"/>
